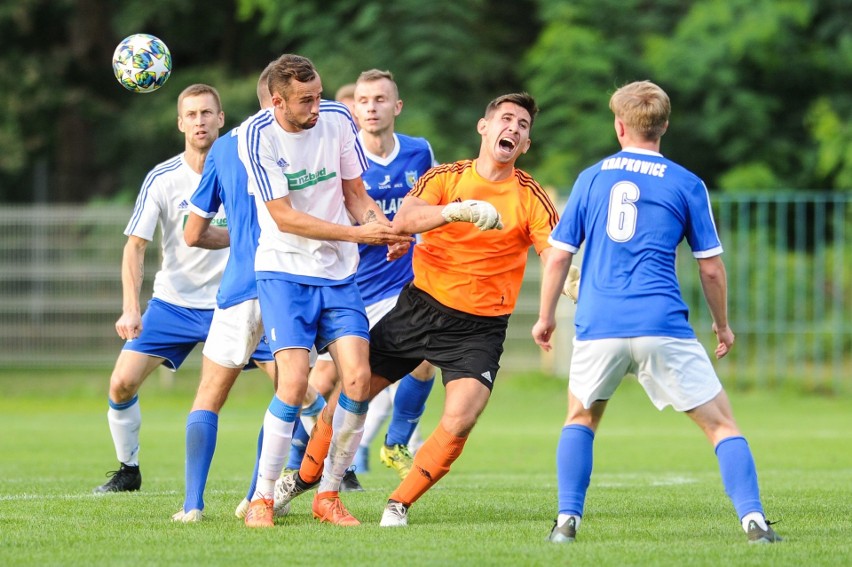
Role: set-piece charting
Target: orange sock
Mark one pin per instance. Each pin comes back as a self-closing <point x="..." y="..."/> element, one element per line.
<point x="312" y="463"/>
<point x="431" y="463"/>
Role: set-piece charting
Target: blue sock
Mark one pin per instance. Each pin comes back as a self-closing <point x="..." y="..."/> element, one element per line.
<point x="409" y="403"/>
<point x="201" y="430"/>
<point x="253" y="484"/>
<point x="739" y="475"/>
<point x="298" y="446"/>
<point x="574" y="456"/>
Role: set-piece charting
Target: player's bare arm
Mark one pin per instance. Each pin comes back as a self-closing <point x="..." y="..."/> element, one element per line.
<point x="129" y="325"/>
<point x="296" y="222"/>
<point x="714" y="283"/>
<point x="556" y="265"/>
<point x="372" y="222"/>
<point x="198" y="232"/>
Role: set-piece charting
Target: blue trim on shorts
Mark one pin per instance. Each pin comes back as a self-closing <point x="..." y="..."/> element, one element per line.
<point x="124" y="405"/>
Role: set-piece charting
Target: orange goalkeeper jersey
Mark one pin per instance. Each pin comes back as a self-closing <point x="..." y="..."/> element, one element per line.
<point x="480" y="272"/>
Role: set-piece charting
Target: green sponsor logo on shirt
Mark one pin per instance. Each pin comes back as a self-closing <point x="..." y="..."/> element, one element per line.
<point x="303" y="179"/>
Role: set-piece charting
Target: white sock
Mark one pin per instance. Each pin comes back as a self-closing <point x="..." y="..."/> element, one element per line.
<point x="562" y="518"/>
<point x="347" y="430"/>
<point x="416" y="440"/>
<point x="380" y="409"/>
<point x="124" y="424"/>
<point x="277" y="436"/>
<point x="757" y="517"/>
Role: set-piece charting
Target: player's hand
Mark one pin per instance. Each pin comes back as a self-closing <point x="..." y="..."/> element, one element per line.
<point x="572" y="283"/>
<point x="129" y="326"/>
<point x="726" y="340"/>
<point x="397" y="251"/>
<point x="377" y="233"/>
<point x="482" y="214"/>
<point x="542" y="332"/>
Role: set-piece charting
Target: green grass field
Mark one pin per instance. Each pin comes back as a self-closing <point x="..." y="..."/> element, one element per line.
<point x="656" y="497"/>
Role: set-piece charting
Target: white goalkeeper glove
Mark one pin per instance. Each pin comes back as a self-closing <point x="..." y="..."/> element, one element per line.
<point x="482" y="214"/>
<point x="572" y="283"/>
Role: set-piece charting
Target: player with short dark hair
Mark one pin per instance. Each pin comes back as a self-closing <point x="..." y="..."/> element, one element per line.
<point x="632" y="210"/>
<point x="304" y="164"/>
<point x="466" y="283"/>
<point x="396" y="161"/>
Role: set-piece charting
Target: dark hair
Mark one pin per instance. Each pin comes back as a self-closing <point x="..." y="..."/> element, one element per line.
<point x="524" y="100"/>
<point x="287" y="68"/>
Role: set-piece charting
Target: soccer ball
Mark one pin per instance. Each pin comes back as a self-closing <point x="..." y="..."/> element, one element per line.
<point x="142" y="63"/>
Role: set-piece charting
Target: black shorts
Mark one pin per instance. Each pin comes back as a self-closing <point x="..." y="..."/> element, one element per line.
<point x="420" y="328"/>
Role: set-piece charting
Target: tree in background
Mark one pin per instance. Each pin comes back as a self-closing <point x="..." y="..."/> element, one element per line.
<point x="760" y="86"/>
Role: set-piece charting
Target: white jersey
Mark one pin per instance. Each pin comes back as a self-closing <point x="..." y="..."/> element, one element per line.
<point x="189" y="277"/>
<point x="308" y="167"/>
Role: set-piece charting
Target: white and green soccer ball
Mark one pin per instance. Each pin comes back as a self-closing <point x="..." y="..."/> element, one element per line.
<point x="142" y="63"/>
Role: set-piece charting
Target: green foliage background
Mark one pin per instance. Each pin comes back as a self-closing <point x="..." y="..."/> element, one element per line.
<point x="759" y="87"/>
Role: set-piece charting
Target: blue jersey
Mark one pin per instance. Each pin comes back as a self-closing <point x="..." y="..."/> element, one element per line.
<point x="224" y="181"/>
<point x="633" y="209"/>
<point x="388" y="180"/>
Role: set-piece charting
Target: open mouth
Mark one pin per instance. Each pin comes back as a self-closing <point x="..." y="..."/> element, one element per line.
<point x="507" y="144"/>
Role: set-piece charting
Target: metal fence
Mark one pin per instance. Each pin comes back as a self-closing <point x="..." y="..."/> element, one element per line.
<point x="787" y="255"/>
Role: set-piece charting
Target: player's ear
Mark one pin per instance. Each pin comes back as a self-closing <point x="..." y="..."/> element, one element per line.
<point x="221" y="119"/>
<point x="482" y="126"/>
<point x="527" y="146"/>
<point x="397" y="108"/>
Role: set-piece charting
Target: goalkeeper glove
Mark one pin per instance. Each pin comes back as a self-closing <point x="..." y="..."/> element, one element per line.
<point x="482" y="214"/>
<point x="572" y="284"/>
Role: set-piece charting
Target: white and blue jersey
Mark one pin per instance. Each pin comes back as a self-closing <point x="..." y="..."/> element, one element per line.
<point x="224" y="181"/>
<point x="308" y="167"/>
<point x="388" y="181"/>
<point x="188" y="277"/>
<point x="632" y="210"/>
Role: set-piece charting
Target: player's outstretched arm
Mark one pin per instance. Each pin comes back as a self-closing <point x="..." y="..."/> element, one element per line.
<point x="714" y="283"/>
<point x="290" y="220"/>
<point x="556" y="265"/>
<point x="481" y="214"/>
<point x="416" y="215"/>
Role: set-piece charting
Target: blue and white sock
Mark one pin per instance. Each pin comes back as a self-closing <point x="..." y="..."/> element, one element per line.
<point x="408" y="406"/>
<point x="278" y="425"/>
<point x="298" y="446"/>
<point x="125" y="421"/>
<point x="202" y="427"/>
<point x="347" y="428"/>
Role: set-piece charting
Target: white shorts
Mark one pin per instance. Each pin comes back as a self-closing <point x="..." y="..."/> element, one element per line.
<point x="674" y="372"/>
<point x="235" y="335"/>
<point x="375" y="312"/>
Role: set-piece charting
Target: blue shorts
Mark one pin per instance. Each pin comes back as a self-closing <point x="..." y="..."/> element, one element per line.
<point x="301" y="316"/>
<point x="170" y="332"/>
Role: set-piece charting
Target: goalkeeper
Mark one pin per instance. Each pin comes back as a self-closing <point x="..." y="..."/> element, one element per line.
<point x="468" y="270"/>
